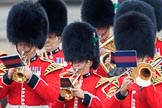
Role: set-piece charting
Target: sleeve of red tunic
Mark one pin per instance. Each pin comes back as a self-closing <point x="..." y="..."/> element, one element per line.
<point x="92" y="100"/>
<point x="5" y="83"/>
<point x="112" y="102"/>
<point x="49" y="87"/>
<point x="117" y="98"/>
<point x="153" y="95"/>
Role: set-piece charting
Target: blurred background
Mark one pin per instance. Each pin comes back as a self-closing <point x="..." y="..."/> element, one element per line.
<point x="5" y="5"/>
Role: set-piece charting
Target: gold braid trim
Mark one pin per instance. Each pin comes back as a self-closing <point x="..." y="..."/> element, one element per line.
<point x="158" y="78"/>
<point x="52" y="67"/>
<point x="157" y="81"/>
<point x="111" y="91"/>
<point x="112" y="88"/>
<point x="104" y="80"/>
<point x="3" y="69"/>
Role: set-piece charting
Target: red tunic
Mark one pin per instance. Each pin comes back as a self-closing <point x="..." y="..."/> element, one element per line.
<point x="138" y="97"/>
<point x="58" y="57"/>
<point x="42" y="88"/>
<point x="88" y="86"/>
<point x="159" y="45"/>
<point x="2" y="68"/>
<point x="101" y="71"/>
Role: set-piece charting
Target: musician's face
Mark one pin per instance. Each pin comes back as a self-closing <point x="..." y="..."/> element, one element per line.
<point x="103" y="33"/>
<point x="52" y="42"/>
<point x="82" y="66"/>
<point x="22" y="46"/>
<point x="26" y="48"/>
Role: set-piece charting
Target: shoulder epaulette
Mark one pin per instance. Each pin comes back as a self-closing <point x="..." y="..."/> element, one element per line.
<point x="52" y="67"/>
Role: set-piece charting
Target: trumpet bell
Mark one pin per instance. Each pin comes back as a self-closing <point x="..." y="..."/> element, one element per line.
<point x="65" y="90"/>
<point x="19" y="77"/>
<point x="66" y="93"/>
<point x="142" y="74"/>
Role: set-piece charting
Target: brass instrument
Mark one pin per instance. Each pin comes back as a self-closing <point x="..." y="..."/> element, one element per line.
<point x="114" y="81"/>
<point x="66" y="91"/>
<point x="142" y="74"/>
<point x="109" y="44"/>
<point x="146" y="71"/>
<point x="108" y="47"/>
<point x="18" y="75"/>
<point x="109" y="67"/>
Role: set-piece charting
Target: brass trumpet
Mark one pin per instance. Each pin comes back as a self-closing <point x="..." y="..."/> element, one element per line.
<point x="66" y="91"/>
<point x="18" y="75"/>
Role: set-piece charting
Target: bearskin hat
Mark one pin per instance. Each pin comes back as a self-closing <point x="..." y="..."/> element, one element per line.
<point x="98" y="13"/>
<point x="80" y="42"/>
<point x="27" y="22"/>
<point x="139" y="6"/>
<point x="57" y="15"/>
<point x="157" y="5"/>
<point x="134" y="31"/>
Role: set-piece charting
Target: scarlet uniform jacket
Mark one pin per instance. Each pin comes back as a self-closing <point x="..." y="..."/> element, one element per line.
<point x="58" y="57"/>
<point x="101" y="71"/>
<point x="159" y="45"/>
<point x="42" y="88"/>
<point x="138" y="97"/>
<point x="92" y="97"/>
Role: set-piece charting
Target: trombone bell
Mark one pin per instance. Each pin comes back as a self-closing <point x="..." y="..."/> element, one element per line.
<point x="142" y="74"/>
